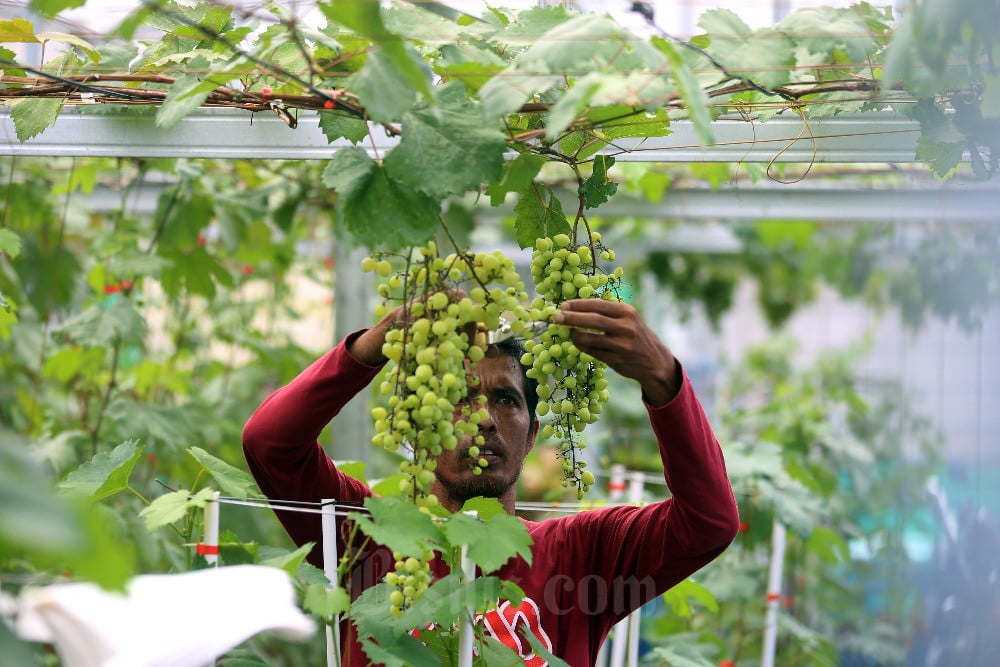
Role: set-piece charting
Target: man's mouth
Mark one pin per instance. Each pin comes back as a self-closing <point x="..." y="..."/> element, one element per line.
<point x="492" y="454"/>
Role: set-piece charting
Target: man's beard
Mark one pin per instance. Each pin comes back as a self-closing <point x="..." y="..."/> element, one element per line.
<point x="485" y="485"/>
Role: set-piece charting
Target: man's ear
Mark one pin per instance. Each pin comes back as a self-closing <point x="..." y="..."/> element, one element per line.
<point x="533" y="435"/>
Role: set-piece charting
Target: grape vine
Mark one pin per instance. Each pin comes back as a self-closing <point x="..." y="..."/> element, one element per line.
<point x="572" y="385"/>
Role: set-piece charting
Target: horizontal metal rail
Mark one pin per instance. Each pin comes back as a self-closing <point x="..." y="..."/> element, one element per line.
<point x="877" y="137"/>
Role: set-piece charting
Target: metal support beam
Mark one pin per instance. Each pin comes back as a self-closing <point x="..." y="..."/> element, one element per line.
<point x="919" y="202"/>
<point x="880" y="138"/>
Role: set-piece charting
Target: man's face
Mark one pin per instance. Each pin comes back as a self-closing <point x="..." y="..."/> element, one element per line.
<point x="509" y="435"/>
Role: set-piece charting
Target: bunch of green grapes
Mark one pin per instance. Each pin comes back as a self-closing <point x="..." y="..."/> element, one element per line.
<point x="433" y="346"/>
<point x="571" y="384"/>
<point x="409" y="579"/>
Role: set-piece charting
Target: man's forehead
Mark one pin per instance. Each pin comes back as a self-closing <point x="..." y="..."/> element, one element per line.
<point x="500" y="369"/>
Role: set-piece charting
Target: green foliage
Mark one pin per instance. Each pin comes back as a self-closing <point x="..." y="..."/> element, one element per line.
<point x="173" y="506"/>
<point x="378" y="210"/>
<point x="326" y="602"/>
<point x="233" y="481"/>
<point x="33" y="116"/>
<point x="105" y="474"/>
<point x="493" y="541"/>
<point x="539" y="214"/>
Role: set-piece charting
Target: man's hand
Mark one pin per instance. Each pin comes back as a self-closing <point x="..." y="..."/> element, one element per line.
<point x="367" y="348"/>
<point x="614" y="333"/>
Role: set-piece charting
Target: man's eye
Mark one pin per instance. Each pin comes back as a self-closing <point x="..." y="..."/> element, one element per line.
<point x="507" y="400"/>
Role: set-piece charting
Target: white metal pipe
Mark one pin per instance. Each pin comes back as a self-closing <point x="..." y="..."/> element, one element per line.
<point x="330" y="558"/>
<point x="625" y="644"/>
<point x="636" y="487"/>
<point x="872" y="137"/>
<point x="209" y="547"/>
<point x="466" y="635"/>
<point x="773" y="594"/>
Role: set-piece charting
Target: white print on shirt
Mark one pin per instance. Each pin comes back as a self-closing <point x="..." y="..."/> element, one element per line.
<point x="504" y="622"/>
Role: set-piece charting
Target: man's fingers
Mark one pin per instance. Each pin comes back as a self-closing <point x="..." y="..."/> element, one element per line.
<point x="595" y="306"/>
<point x="604" y="316"/>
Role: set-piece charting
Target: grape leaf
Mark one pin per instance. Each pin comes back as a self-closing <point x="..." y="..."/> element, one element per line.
<point x="825" y="30"/>
<point x="10" y="243"/>
<point x="390" y="81"/>
<point x="154" y="422"/>
<point x="348" y="171"/>
<point x="447" y="149"/>
<point x="378" y="211"/>
<point x="598" y="188"/>
<point x="517" y="175"/>
<point x="10" y="56"/>
<point x="539" y="213"/>
<point x="485" y="508"/>
<point x="354" y="469"/>
<point x="508" y="91"/>
<point x="195" y="270"/>
<point x="398" y="525"/>
<point x="540" y="650"/>
<point x="491" y="543"/>
<point x="389" y="485"/>
<point x="103" y="324"/>
<point x="829" y="546"/>
<point x="449" y="599"/>
<point x="336" y="125"/>
<point x="695" y="100"/>
<point x="585" y="43"/>
<point x="71" y="40"/>
<point x="724" y="23"/>
<point x="403" y="650"/>
<point x="943" y="156"/>
<point x="393" y="645"/>
<point x="364" y="18"/>
<point x="529" y="26"/>
<point x="17" y="30"/>
<point x="570" y="105"/>
<point x="184" y="97"/>
<point x="233" y="481"/>
<point x="49" y="8"/>
<point x="171" y="507"/>
<point x="677" y="598"/>
<point x="326" y="602"/>
<point x="765" y="56"/>
<point x="33" y="116"/>
<point x="290" y="562"/>
<point x="495" y="653"/>
<point x="104" y="475"/>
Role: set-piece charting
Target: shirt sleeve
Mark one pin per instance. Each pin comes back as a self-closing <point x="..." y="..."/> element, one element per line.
<point x="281" y="447"/>
<point x="640" y="552"/>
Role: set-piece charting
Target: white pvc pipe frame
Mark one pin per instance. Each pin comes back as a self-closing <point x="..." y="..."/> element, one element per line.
<point x="330" y="558"/>
<point x="773" y="594"/>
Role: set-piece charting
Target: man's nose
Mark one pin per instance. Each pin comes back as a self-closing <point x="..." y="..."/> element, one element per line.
<point x="488" y="424"/>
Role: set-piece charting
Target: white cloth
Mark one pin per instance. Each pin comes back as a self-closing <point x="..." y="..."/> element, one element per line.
<point x="163" y="620"/>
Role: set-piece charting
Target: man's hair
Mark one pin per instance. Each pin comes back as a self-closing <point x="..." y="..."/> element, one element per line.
<point x="513" y="348"/>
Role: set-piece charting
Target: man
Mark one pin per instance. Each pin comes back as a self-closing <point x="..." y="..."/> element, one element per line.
<point x="589" y="570"/>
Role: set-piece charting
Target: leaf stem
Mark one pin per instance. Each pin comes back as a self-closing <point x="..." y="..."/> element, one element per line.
<point x="106" y="398"/>
<point x="138" y="495"/>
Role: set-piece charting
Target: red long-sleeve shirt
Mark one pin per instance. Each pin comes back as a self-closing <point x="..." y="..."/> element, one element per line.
<point x="589" y="570"/>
